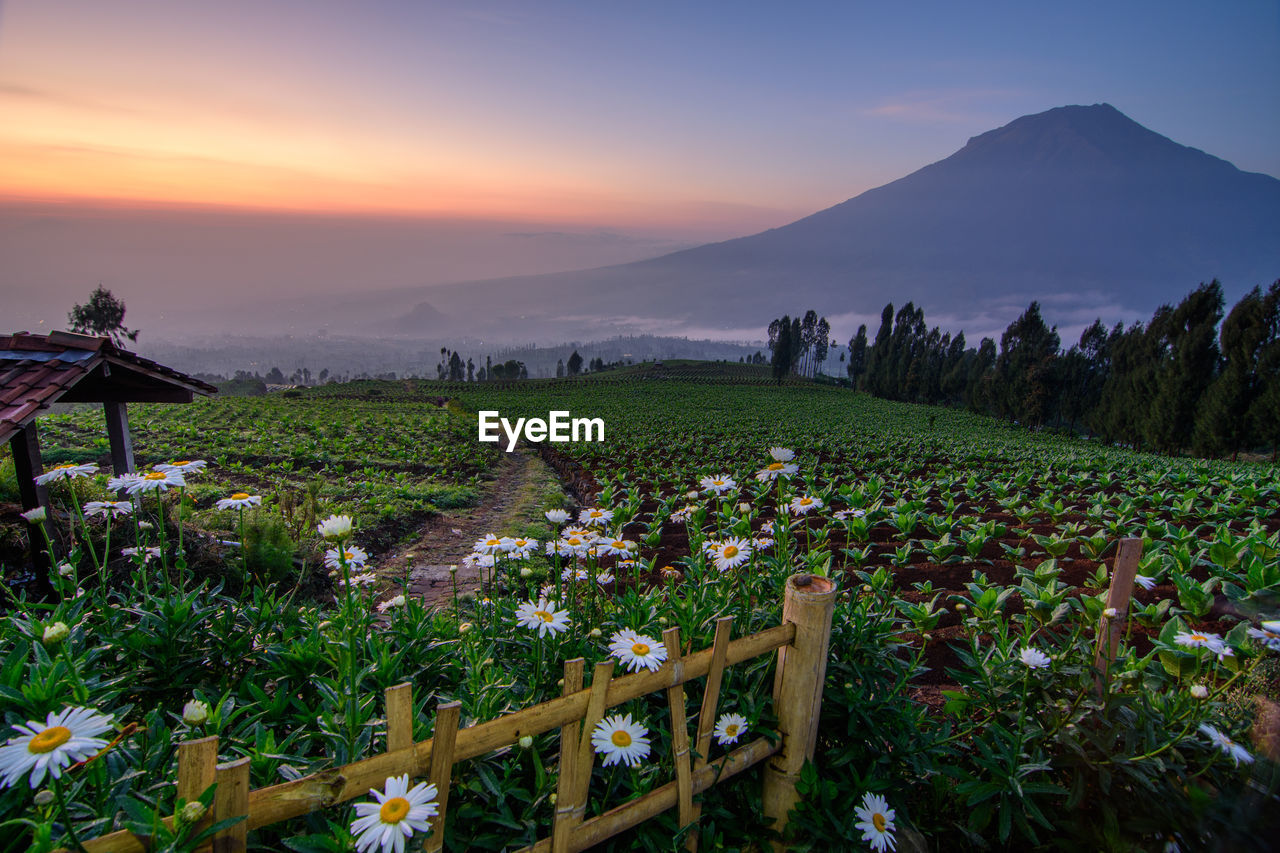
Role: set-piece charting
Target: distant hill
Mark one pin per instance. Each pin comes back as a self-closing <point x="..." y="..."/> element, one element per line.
<point x="1079" y="207"/>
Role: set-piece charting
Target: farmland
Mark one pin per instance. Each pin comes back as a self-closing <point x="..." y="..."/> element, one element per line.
<point x="966" y="549"/>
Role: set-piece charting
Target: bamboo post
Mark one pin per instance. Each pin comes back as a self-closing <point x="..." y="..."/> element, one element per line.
<point x="399" y="701"/>
<point x="1110" y="629"/>
<point x="575" y="809"/>
<point x="232" y="800"/>
<point x="707" y="713"/>
<point x="797" y="689"/>
<point x="197" y="770"/>
<point x="443" y="741"/>
<point x="568" y="757"/>
<point x="679" y="729"/>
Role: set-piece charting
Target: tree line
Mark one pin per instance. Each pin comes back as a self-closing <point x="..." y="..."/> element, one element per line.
<point x="799" y="346"/>
<point x="1189" y="379"/>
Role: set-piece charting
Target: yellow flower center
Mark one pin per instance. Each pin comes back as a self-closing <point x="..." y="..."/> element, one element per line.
<point x="621" y="738"/>
<point x="730" y="552"/>
<point x="62" y="467"/>
<point x="774" y="466"/>
<point x="717" y="482"/>
<point x="806" y="501"/>
<point x="50" y="739"/>
<point x="1199" y="638"/>
<point x="394" y="810"/>
<point x="731" y="730"/>
<point x="494" y="542"/>
<point x="181" y="462"/>
<point x="348" y="555"/>
<point x="639" y="649"/>
<point x="575" y="541"/>
<point x="155" y="475"/>
<point x="240" y="496"/>
<point x="544" y="615"/>
<point x="617" y="543"/>
<point x="878" y="821"/>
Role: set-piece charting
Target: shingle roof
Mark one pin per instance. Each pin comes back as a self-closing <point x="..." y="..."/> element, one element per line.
<point x="37" y="370"/>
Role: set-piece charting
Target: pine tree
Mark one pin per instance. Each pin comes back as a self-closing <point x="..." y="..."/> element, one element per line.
<point x="782" y="349"/>
<point x="1222" y="422"/>
<point x="1189" y="360"/>
<point x="1264" y="412"/>
<point x="1025" y="369"/>
<point x="575" y="364"/>
<point x="858" y="356"/>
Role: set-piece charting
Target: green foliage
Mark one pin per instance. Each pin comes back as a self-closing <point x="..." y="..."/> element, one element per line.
<point x="102" y="315"/>
<point x="269" y="548"/>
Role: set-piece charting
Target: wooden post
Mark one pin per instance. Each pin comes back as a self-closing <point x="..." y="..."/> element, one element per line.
<point x="569" y="814"/>
<point x="443" y="740"/>
<point x="232" y="800"/>
<point x="797" y="689"/>
<point x="707" y="714"/>
<point x="399" y="702"/>
<point x="118" y="434"/>
<point x="27" y="465"/>
<point x="197" y="770"/>
<point x="560" y="826"/>
<point x="1110" y="629"/>
<point x="679" y="732"/>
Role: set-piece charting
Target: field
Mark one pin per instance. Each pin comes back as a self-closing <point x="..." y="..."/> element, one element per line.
<point x="973" y="556"/>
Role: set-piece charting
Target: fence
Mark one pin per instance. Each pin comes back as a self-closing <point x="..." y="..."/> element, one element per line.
<point x="801" y="642"/>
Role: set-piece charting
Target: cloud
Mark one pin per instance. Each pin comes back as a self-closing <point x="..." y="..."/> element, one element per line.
<point x="940" y="106"/>
<point x="17" y="91"/>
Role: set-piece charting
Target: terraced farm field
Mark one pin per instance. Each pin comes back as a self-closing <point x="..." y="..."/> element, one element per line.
<point x="973" y="556"/>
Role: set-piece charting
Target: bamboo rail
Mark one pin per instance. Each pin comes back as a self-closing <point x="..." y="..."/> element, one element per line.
<point x="801" y="642"/>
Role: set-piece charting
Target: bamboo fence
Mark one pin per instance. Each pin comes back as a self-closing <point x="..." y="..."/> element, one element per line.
<point x="801" y="641"/>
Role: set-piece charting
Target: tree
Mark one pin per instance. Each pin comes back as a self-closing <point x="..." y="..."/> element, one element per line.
<point x="575" y="364"/>
<point x="858" y="355"/>
<point x="1222" y="421"/>
<point x="782" y="349"/>
<point x="1188" y="342"/>
<point x="560" y="369"/>
<point x="102" y="315"/>
<point x="1025" y="372"/>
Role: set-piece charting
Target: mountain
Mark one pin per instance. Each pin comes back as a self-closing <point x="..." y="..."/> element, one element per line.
<point x="1079" y="207"/>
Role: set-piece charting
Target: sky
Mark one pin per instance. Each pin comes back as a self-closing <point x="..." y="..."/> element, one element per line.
<point x="640" y="126"/>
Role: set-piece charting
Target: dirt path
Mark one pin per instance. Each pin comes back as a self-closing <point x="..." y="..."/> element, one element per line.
<point x="507" y="500"/>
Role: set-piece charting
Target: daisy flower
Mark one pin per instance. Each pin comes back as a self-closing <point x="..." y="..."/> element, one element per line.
<point x="184" y="466"/>
<point x="1144" y="581"/>
<point x="523" y="547"/>
<point x="619" y="547"/>
<point x="1237" y="752"/>
<point x="355" y="557"/>
<point x="239" y="500"/>
<point x="620" y="740"/>
<point x="875" y="819"/>
<point x="556" y="516"/>
<point x="636" y="651"/>
<point x="584" y="533"/>
<point x="148" y="554"/>
<point x="805" y="504"/>
<point x="719" y="484"/>
<point x="399" y="812"/>
<point x="492" y="543"/>
<point x="542" y="617"/>
<point x="595" y="517"/>
<point x="762" y="542"/>
<point x="156" y="481"/>
<point x="776" y="469"/>
<point x="478" y="561"/>
<point x="730" y="553"/>
<point x="579" y="575"/>
<point x="335" y="527"/>
<point x="729" y="728"/>
<point x="392" y="603"/>
<point x="1268" y="635"/>
<point x="36" y="515"/>
<point x="846" y="514"/>
<point x="1200" y="640"/>
<point x="683" y="513"/>
<point x="604" y="578"/>
<point x="781" y="454"/>
<point x="65" y="737"/>
<point x="363" y="579"/>
<point x="122" y="482"/>
<point x="110" y="509"/>
<point x="1033" y="658"/>
<point x="64" y="472"/>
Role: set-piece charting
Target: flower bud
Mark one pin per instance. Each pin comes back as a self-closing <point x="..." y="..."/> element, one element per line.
<point x="1199" y="691"/>
<point x="195" y="712"/>
<point x="526" y="572"/>
<point x="465" y="628"/>
<point x="1110" y="613"/>
<point x="66" y="570"/>
<point x="55" y="633"/>
<point x="526" y="741"/>
<point x="191" y="813"/>
<point x="596" y="634"/>
<point x="662" y="620"/>
<point x="44" y="798"/>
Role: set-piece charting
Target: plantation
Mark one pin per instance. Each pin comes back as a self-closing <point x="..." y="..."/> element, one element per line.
<point x="962" y="705"/>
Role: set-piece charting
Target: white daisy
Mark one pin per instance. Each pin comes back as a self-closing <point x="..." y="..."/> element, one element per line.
<point x="392" y="603"/>
<point x="1268" y="635"/>
<point x="147" y="554"/>
<point x="239" y="500"/>
<point x="64" y="472"/>
<point x="523" y="547"/>
<point x="781" y="454"/>
<point x="604" y="578"/>
<point x="729" y="728"/>
<point x="355" y="557"/>
<point x="1144" y="581"/>
<point x="556" y="516"/>
<point x="620" y="741"/>
<point x="335" y="527"/>
<point x="184" y="466"/>
<point x="492" y="543"/>
<point x="637" y="651"/>
<point x="875" y="819"/>
<point x="730" y="553"/>
<point x="1237" y="752"/>
<point x="36" y="515"/>
<point x="1200" y="640"/>
<point x="595" y="517"/>
<point x="846" y="514"/>
<point x="762" y="542"/>
<point x="64" y="738"/>
<point x="122" y="482"/>
<point x="580" y="575"/>
<point x="110" y="509"/>
<point x="363" y="579"/>
<point x="397" y="815"/>
<point x="719" y="484"/>
<point x="618" y="547"/>
<point x="478" y="561"/>
<point x="543" y="617"/>
<point x="805" y="504"/>
<point x="776" y="469"/>
<point x="1034" y="658"/>
<point x="156" y="481"/>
